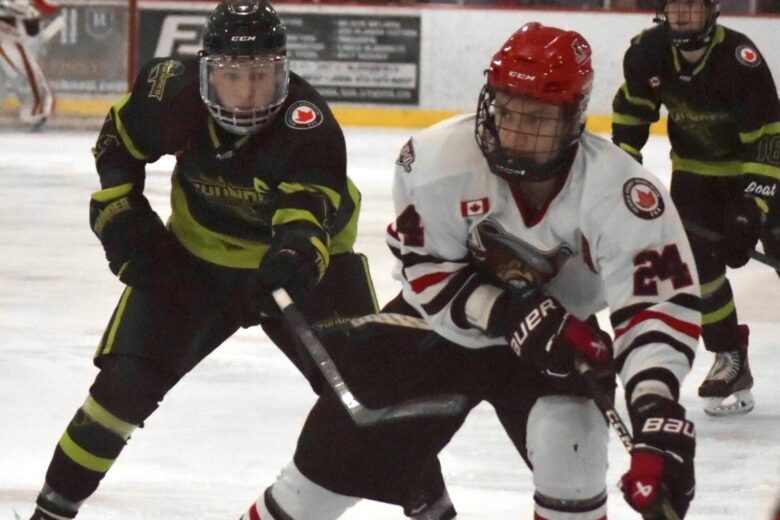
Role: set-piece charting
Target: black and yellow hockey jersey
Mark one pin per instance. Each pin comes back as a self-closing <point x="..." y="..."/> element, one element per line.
<point x="724" y="113"/>
<point x="229" y="192"/>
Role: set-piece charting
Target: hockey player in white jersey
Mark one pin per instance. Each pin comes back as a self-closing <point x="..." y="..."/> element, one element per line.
<point x="19" y="68"/>
<point x="514" y="226"/>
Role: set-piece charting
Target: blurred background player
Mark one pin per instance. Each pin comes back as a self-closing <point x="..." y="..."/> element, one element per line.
<point x="19" y="26"/>
<point x="260" y="200"/>
<point x="506" y="242"/>
<point x="724" y="129"/>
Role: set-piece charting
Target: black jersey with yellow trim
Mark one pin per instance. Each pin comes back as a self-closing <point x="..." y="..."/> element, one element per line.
<point x="230" y="191"/>
<point x="720" y="108"/>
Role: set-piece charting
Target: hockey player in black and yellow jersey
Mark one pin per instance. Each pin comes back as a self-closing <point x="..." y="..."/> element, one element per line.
<point x="724" y="129"/>
<point x="260" y="199"/>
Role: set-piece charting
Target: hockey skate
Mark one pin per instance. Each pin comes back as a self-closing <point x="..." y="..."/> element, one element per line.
<point x="726" y="389"/>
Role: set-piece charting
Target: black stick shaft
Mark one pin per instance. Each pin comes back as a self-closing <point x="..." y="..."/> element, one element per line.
<point x="607" y="408"/>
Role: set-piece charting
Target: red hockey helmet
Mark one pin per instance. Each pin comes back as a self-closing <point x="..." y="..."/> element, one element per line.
<point x="541" y="63"/>
<point x="544" y="63"/>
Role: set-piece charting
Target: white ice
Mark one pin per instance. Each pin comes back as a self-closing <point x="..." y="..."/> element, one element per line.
<point x="224" y="432"/>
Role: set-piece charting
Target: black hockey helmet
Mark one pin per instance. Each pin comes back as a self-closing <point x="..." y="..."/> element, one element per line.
<point x="244" y="28"/>
<point x="688" y="40"/>
<point x="244" y="71"/>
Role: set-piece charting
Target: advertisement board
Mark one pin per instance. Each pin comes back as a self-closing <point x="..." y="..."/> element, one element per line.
<point x="88" y="53"/>
<point x="364" y="58"/>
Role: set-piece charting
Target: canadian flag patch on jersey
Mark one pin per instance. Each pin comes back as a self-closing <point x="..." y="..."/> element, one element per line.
<point x="470" y="208"/>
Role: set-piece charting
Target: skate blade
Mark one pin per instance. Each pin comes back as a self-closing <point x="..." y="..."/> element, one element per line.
<point x="739" y="403"/>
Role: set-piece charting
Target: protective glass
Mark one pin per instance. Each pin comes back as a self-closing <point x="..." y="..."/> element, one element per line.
<point x="244" y="93"/>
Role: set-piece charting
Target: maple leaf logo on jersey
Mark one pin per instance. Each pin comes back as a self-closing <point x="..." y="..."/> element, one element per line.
<point x="646" y="199"/>
<point x="643" y="199"/>
<point x="303" y="115"/>
<point x="748" y="56"/>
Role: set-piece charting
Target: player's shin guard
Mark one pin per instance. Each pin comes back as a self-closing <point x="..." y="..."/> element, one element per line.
<point x="567" y="446"/>
<point x="91" y="442"/>
<point x="294" y="497"/>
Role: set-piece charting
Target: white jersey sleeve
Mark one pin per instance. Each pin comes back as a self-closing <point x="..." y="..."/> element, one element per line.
<point x="641" y="253"/>
<point x="430" y="235"/>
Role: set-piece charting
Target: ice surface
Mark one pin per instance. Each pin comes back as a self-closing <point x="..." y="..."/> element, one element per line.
<point x="224" y="432"/>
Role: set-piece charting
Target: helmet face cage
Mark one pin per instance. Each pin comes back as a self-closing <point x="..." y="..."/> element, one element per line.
<point x="690" y="24"/>
<point x="524" y="138"/>
<point x="244" y="72"/>
<point x="244" y="93"/>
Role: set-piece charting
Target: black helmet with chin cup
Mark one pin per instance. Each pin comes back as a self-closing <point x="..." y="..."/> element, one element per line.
<point x="689" y="40"/>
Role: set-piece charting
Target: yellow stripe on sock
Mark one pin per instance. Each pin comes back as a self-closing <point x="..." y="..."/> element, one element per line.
<point x="82" y="457"/>
<point x="106" y="419"/>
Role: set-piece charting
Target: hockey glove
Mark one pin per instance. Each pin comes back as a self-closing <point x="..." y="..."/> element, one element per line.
<point x="138" y="248"/>
<point x="742" y="228"/>
<point x="295" y="260"/>
<point x="662" y="458"/>
<point x="540" y="330"/>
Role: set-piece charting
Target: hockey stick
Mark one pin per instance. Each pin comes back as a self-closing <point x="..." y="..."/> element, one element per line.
<point x="441" y="405"/>
<point x="604" y="403"/>
<point x="714" y="236"/>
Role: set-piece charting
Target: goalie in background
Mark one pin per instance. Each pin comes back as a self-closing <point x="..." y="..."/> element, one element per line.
<point x="19" y="26"/>
<point x="724" y="130"/>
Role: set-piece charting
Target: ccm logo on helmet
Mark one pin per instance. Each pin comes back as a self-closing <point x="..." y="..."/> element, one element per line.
<point x="243" y="38"/>
<point x="520" y="75"/>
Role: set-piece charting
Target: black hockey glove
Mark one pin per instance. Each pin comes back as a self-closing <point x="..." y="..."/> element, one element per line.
<point x="540" y="330"/>
<point x="743" y="224"/>
<point x="139" y="250"/>
<point x="662" y="458"/>
<point x="295" y="260"/>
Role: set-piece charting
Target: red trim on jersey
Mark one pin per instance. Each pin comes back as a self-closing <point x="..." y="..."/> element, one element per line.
<point x="689" y="329"/>
<point x="425" y="281"/>
<point x="531" y="217"/>
<point x="253" y="514"/>
<point x="392" y="232"/>
<point x="586" y="255"/>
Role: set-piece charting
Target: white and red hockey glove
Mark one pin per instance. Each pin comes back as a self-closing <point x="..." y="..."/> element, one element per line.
<point x="662" y="458"/>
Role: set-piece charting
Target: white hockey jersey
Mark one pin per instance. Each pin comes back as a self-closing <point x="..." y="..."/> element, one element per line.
<point x="610" y="237"/>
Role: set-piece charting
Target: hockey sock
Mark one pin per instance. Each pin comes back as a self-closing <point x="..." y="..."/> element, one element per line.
<point x="90" y="445"/>
<point x="719" y="316"/>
